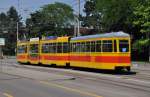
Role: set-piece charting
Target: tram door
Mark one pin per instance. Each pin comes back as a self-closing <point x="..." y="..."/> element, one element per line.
<point x="34" y="57"/>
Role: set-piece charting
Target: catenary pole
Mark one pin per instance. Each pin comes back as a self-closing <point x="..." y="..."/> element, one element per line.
<point x="78" y="34"/>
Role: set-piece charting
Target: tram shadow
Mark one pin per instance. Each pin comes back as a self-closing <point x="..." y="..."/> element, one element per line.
<point x="92" y="70"/>
<point x="104" y="71"/>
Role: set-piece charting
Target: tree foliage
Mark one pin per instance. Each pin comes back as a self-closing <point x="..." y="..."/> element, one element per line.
<point x="108" y="15"/>
<point x="142" y="20"/>
<point x="142" y="16"/>
<point x="8" y="29"/>
<point x="92" y="18"/>
<point x="3" y="22"/>
<point x="115" y="14"/>
<point x="51" y="19"/>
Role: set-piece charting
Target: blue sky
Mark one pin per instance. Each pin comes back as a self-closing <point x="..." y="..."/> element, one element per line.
<point x="28" y="6"/>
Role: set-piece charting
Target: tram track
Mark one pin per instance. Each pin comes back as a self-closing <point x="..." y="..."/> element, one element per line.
<point x="138" y="75"/>
<point x="97" y="79"/>
<point x="124" y="84"/>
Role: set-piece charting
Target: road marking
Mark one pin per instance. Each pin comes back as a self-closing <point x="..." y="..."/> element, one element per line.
<point x="70" y="89"/>
<point x="7" y="95"/>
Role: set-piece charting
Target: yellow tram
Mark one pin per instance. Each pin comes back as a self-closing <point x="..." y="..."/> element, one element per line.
<point x="102" y="51"/>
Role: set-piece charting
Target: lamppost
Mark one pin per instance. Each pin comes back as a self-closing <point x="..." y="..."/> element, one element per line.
<point x="18" y="20"/>
<point x="17" y="29"/>
<point x="78" y="19"/>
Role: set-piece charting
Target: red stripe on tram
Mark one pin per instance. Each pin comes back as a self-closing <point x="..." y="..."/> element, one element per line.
<point x="112" y="59"/>
<point x="55" y="57"/>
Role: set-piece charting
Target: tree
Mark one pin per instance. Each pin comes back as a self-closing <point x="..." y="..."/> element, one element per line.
<point x="3" y="23"/>
<point x="142" y="20"/>
<point x="13" y="18"/>
<point x="109" y="15"/>
<point x="8" y="23"/>
<point x="115" y="14"/>
<point x="142" y="17"/>
<point x="35" y="24"/>
<point x="52" y="18"/>
<point x="92" y="18"/>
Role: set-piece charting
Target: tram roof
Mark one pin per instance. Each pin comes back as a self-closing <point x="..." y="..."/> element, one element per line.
<point x="55" y="39"/>
<point x="105" y="35"/>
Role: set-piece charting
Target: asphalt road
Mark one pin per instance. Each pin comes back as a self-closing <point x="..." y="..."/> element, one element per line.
<point x="36" y="81"/>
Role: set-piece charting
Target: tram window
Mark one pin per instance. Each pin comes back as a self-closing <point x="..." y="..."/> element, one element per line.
<point x="65" y="47"/>
<point x="115" y="46"/>
<point x="93" y="49"/>
<point x="59" y="47"/>
<point x="88" y="47"/>
<point x="54" y="48"/>
<point x="107" y="46"/>
<point x="78" y="47"/>
<point x="22" y="49"/>
<point x="98" y="46"/>
<point x="45" y="48"/>
<point x="51" y="49"/>
<point x="34" y="48"/>
<point x="123" y="46"/>
<point x="70" y="47"/>
<point x="74" y="47"/>
<point x="83" y="47"/>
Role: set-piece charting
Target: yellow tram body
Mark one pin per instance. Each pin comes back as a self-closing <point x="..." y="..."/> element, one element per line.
<point x="103" y="51"/>
<point x="34" y="51"/>
<point x="52" y="51"/>
<point x="22" y="52"/>
<point x="107" y="60"/>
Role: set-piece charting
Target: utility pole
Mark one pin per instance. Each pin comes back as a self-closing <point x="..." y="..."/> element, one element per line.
<point x="17" y="30"/>
<point x="18" y="21"/>
<point x="78" y="34"/>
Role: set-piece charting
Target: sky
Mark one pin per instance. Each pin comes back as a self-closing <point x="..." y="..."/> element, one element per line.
<point x="28" y="6"/>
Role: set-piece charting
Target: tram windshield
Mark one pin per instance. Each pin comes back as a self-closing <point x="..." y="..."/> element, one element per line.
<point x="22" y="49"/>
<point x="123" y="46"/>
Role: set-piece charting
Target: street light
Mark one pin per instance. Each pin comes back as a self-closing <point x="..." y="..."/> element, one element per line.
<point x="17" y="30"/>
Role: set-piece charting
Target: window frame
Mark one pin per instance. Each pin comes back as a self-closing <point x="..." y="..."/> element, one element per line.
<point x="107" y="44"/>
<point x="128" y="48"/>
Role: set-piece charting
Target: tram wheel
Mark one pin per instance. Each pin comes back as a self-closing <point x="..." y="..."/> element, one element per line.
<point x="53" y="65"/>
<point x="128" y="69"/>
<point x="67" y="65"/>
<point x="118" y="68"/>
